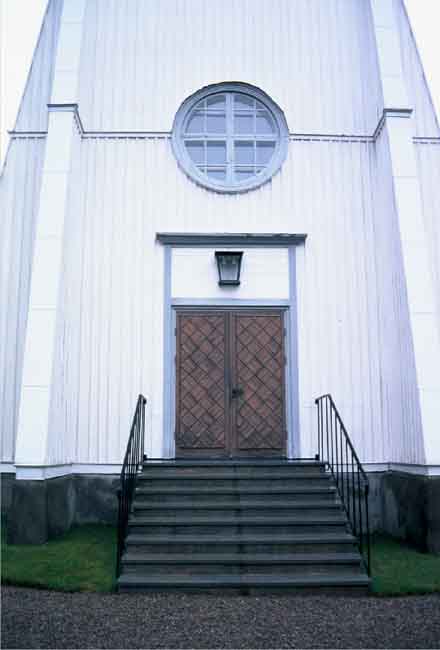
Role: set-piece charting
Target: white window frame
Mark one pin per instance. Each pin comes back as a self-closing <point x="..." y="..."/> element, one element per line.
<point x="280" y="137"/>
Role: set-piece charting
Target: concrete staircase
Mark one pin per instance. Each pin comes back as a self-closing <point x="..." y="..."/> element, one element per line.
<point x="241" y="526"/>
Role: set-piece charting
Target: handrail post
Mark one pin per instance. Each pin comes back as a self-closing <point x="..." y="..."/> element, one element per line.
<point x="367" y="492"/>
<point x="317" y="456"/>
<point x="144" y="401"/>
<point x="119" y="541"/>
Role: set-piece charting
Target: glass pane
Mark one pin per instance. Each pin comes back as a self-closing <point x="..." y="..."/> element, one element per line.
<point x="243" y="101"/>
<point x="229" y="267"/>
<point x="243" y="174"/>
<point x="264" y="152"/>
<point x="216" y="123"/>
<point x="217" y="174"/>
<point x="264" y="123"/>
<point x="243" y="124"/>
<point x="217" y="101"/>
<point x="196" y="151"/>
<point x="195" y="123"/>
<point x="244" y="153"/>
<point x="216" y="153"/>
<point x="260" y="106"/>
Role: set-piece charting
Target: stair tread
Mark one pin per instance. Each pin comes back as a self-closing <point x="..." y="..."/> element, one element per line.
<point x="249" y="580"/>
<point x="233" y="477"/>
<point x="239" y="538"/>
<point x="238" y="490"/>
<point x="218" y="520"/>
<point x="236" y="505"/>
<point x="241" y="558"/>
<point x="233" y="463"/>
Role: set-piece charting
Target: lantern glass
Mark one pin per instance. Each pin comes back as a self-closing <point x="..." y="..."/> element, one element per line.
<point x="229" y="267"/>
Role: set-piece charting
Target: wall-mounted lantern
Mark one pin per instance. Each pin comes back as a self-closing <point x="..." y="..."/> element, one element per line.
<point x="229" y="267"/>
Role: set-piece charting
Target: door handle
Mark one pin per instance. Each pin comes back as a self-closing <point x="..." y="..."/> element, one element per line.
<point x="237" y="392"/>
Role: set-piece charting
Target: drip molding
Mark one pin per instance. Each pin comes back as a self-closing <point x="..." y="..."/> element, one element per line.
<point x="166" y="135"/>
<point x="406" y="468"/>
<point x="44" y="472"/>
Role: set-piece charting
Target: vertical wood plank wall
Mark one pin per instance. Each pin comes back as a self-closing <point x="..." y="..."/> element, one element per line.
<point x="19" y="199"/>
<point x="425" y="122"/>
<point x="140" y="60"/>
<point x="32" y="113"/>
<point x="428" y="157"/>
<point x="351" y="302"/>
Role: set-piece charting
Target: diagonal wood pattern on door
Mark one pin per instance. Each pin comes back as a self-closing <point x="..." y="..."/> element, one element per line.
<point x="230" y="383"/>
<point x="201" y="343"/>
<point x="259" y="368"/>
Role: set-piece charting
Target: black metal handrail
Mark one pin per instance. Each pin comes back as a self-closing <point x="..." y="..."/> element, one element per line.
<point x="335" y="449"/>
<point x="133" y="459"/>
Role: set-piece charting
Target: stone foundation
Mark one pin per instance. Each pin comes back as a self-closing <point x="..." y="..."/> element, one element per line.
<point x="41" y="510"/>
<point x="406" y="506"/>
<point x="7" y="481"/>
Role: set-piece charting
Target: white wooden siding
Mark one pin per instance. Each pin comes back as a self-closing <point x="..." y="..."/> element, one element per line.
<point x="425" y="122"/>
<point x="32" y="114"/>
<point x="354" y="339"/>
<point x="264" y="274"/>
<point x="316" y="59"/>
<point x="140" y="59"/>
<point x="19" y="199"/>
<point x="428" y="156"/>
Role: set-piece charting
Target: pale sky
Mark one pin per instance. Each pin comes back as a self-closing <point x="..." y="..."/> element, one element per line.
<point x="18" y="38"/>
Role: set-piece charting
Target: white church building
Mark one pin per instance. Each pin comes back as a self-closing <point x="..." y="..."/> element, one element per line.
<point x="256" y="181"/>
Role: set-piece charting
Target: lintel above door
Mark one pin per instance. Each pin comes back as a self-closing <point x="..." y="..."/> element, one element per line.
<point x="230" y="239"/>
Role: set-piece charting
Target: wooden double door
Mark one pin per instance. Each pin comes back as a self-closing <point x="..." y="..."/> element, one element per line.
<point x="230" y="387"/>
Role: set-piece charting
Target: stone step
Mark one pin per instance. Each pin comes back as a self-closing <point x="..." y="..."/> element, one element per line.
<point x="131" y="557"/>
<point x="240" y="563"/>
<point x="249" y="583"/>
<point x="238" y="481"/>
<point x="234" y="509"/>
<point x="269" y="568"/>
<point x="230" y="469"/>
<point x="234" y="543"/>
<point x="240" y="526"/>
<point x="232" y="462"/>
<point x="215" y="524"/>
<point x="222" y="495"/>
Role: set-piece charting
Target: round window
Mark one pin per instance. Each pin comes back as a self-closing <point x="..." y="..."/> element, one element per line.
<point x="230" y="137"/>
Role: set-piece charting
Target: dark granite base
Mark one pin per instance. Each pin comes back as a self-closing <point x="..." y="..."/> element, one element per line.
<point x="433" y="515"/>
<point x="42" y="510"/>
<point x="7" y="481"/>
<point x="96" y="499"/>
<point x="406" y="506"/>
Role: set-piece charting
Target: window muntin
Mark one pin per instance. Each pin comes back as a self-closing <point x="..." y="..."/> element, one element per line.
<point x="230" y="140"/>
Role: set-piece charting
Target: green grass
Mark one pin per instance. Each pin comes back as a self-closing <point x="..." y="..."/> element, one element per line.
<point x="399" y="569"/>
<point x="84" y="560"/>
<point x="81" y="560"/>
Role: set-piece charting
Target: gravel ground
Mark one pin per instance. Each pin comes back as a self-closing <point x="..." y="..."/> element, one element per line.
<point x="44" y="619"/>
